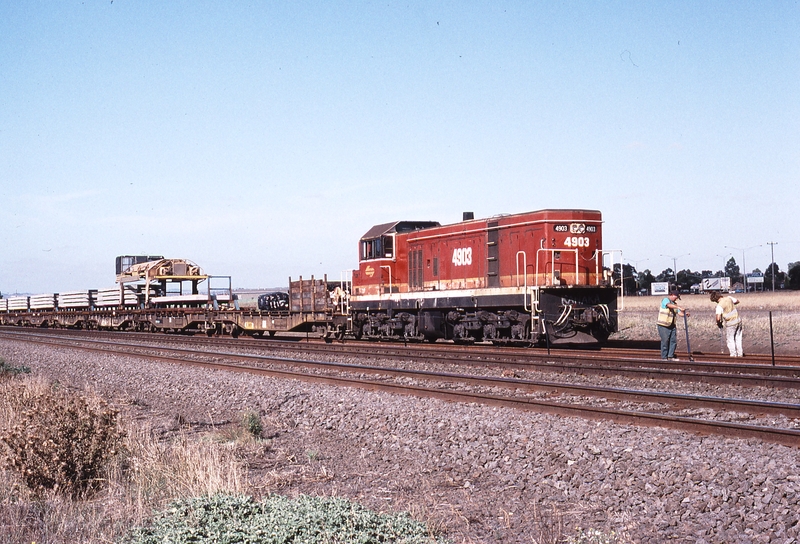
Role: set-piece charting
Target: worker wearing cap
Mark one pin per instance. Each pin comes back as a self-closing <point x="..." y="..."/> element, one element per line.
<point x="727" y="314"/>
<point x="667" y="314"/>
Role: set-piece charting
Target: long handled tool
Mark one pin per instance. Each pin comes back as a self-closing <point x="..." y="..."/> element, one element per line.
<point x="723" y="343"/>
<point x="688" y="345"/>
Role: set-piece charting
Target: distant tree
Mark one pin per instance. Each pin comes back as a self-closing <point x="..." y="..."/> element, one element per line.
<point x="645" y="278"/>
<point x="780" y="277"/>
<point x="732" y="270"/>
<point x="628" y="278"/>
<point x="687" y="278"/>
<point x="666" y="275"/>
<point x="707" y="274"/>
<point x="794" y="275"/>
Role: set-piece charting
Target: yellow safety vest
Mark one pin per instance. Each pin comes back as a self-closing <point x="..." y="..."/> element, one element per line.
<point x="729" y="312"/>
<point x="666" y="317"/>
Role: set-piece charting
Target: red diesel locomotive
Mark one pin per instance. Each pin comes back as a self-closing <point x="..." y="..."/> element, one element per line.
<point x="523" y="278"/>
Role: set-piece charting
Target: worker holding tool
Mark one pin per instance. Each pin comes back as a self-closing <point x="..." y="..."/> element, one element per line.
<point x="666" y="324"/>
<point x="727" y="316"/>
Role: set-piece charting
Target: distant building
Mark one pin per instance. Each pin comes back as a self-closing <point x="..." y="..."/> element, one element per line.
<point x="715" y="284"/>
<point x="659" y="288"/>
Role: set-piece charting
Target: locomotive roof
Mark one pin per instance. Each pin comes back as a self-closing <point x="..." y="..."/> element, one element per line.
<point x="398" y="226"/>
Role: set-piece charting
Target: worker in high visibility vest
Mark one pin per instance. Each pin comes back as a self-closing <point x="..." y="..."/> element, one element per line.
<point x="666" y="324"/>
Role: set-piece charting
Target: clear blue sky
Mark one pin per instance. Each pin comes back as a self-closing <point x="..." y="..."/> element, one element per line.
<point x="262" y="139"/>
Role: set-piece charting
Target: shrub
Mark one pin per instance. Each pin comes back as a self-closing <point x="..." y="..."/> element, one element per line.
<point x="6" y="370"/>
<point x="56" y="439"/>
<point x="278" y="519"/>
<point x="251" y="422"/>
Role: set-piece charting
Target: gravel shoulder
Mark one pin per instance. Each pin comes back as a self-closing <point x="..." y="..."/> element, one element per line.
<point x="483" y="474"/>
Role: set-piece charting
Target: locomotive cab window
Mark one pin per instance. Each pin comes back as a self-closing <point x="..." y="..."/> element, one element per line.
<point x="387" y="246"/>
<point x="377" y="248"/>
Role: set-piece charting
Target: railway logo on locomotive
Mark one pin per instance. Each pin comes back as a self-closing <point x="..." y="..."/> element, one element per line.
<point x="369" y="271"/>
<point x="576" y="228"/>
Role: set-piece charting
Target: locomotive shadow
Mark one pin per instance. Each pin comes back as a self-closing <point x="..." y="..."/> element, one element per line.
<point x="633" y="344"/>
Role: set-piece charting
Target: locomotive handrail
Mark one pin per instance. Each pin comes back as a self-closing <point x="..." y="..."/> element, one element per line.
<point x="525" y="283"/>
<point x="536" y="276"/>
<point x="389" y="268"/>
<point x="524" y="267"/>
<point x="610" y="253"/>
<point x="577" y="267"/>
<point x="346" y="281"/>
<point x="597" y="267"/>
<point x="553" y="264"/>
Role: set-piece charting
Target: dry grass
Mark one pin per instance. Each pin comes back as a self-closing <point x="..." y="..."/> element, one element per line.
<point x="637" y="320"/>
<point x="146" y="474"/>
<point x="777" y="301"/>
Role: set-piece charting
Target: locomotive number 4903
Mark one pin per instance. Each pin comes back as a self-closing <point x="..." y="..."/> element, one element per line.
<point x="462" y="256"/>
<point x="576" y="241"/>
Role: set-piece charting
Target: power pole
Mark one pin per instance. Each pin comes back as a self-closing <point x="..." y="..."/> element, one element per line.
<point x="772" y="263"/>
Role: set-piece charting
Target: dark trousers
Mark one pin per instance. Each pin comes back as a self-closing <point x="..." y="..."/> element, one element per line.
<point x="669" y="341"/>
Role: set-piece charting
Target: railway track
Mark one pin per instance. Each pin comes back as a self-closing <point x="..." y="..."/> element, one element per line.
<point x="635" y="364"/>
<point x="777" y="422"/>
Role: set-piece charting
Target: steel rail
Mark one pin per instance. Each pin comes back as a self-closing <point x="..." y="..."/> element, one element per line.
<point x="784" y="436"/>
<point x="718" y="374"/>
<point x="785" y="365"/>
<point x="740" y="405"/>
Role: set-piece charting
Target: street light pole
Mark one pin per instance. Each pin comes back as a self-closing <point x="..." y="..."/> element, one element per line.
<point x="675" y="264"/>
<point x="724" y="262"/>
<point x="772" y="263"/>
<point x="744" y="265"/>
